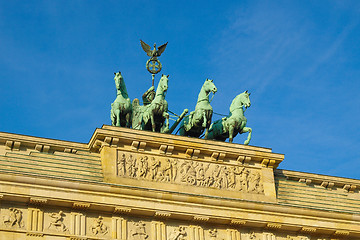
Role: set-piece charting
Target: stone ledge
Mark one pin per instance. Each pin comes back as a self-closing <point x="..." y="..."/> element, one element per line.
<point x="328" y="182"/>
<point x="188" y="147"/>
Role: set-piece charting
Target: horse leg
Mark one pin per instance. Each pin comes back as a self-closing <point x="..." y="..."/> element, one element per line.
<point x="206" y="133"/>
<point x="204" y="120"/>
<point x="231" y="132"/>
<point x="153" y="125"/>
<point x="112" y="117"/>
<point x="249" y="130"/>
<point x="128" y="120"/>
<point x="117" y="117"/>
<point x="189" y="123"/>
<point x="166" y="116"/>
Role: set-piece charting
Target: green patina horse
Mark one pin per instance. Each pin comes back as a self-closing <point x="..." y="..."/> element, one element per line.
<point x="153" y="115"/>
<point x="230" y="126"/>
<point x="200" y="119"/>
<point x="121" y="109"/>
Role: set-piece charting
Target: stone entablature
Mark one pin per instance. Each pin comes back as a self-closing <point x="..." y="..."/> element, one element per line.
<point x="192" y="148"/>
<point x="186" y="165"/>
<point x="178" y="188"/>
<point x="48" y="222"/>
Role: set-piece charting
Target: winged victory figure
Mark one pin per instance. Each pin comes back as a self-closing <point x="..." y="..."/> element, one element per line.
<point x="155" y="52"/>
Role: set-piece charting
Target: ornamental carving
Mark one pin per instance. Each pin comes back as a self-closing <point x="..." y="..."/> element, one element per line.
<point x="178" y="233"/>
<point x="254" y="236"/>
<point x="14" y="218"/>
<point x="220" y="176"/>
<point x="213" y="234"/>
<point x="57" y="222"/>
<point x="98" y="227"/>
<point x="139" y="231"/>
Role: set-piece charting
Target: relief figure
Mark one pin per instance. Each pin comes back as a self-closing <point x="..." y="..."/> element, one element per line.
<point x="174" y="169"/>
<point x="121" y="165"/>
<point x="224" y="177"/>
<point x="167" y="171"/>
<point x="139" y="231"/>
<point x="255" y="185"/>
<point x="57" y="221"/>
<point x="216" y="176"/>
<point x="154" y="167"/>
<point x="143" y="167"/>
<point x="243" y="180"/>
<point x="14" y="218"/>
<point x="200" y="175"/>
<point x="99" y="227"/>
<point x="178" y="234"/>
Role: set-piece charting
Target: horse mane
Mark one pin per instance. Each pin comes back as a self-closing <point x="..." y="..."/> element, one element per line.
<point x="158" y="85"/>
<point x="234" y="102"/>
<point x="123" y="88"/>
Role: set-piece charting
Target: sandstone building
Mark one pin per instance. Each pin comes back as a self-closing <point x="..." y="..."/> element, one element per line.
<point x="137" y="185"/>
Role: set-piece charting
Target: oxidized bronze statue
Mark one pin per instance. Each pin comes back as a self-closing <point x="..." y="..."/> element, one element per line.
<point x="230" y="126"/>
<point x="153" y="65"/>
<point x="200" y="119"/>
<point x="121" y="108"/>
<point x="155" y="52"/>
<point x="152" y="116"/>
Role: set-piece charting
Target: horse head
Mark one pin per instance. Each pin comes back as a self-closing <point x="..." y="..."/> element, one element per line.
<point x="209" y="86"/>
<point x="118" y="79"/>
<point x="120" y="84"/>
<point x="241" y="100"/>
<point x="245" y="99"/>
<point x="163" y="83"/>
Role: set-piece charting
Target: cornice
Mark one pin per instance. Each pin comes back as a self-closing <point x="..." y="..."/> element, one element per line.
<point x="190" y="147"/>
<point x="349" y="185"/>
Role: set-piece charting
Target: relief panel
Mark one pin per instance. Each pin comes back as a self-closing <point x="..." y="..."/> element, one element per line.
<point x="189" y="172"/>
<point x="13" y="217"/>
<point x="56" y="222"/>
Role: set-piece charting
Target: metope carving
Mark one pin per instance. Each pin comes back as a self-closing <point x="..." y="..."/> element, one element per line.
<point x="254" y="236"/>
<point x="214" y="175"/>
<point x="139" y="231"/>
<point x="178" y="233"/>
<point x="57" y="222"/>
<point x="14" y="218"/>
<point x="213" y="234"/>
<point x="98" y="227"/>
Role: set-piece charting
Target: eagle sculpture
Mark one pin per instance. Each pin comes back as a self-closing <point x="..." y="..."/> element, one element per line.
<point x="155" y="52"/>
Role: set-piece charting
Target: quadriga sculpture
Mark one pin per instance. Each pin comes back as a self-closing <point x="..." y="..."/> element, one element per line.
<point x="230" y="126"/>
<point x="121" y="109"/>
<point x="153" y="115"/>
<point x="200" y="119"/>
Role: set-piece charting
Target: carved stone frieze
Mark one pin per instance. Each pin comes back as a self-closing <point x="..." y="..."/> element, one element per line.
<point x="89" y="226"/>
<point x="196" y="173"/>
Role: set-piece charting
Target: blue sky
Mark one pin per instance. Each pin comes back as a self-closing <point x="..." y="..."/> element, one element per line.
<point x="299" y="59"/>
